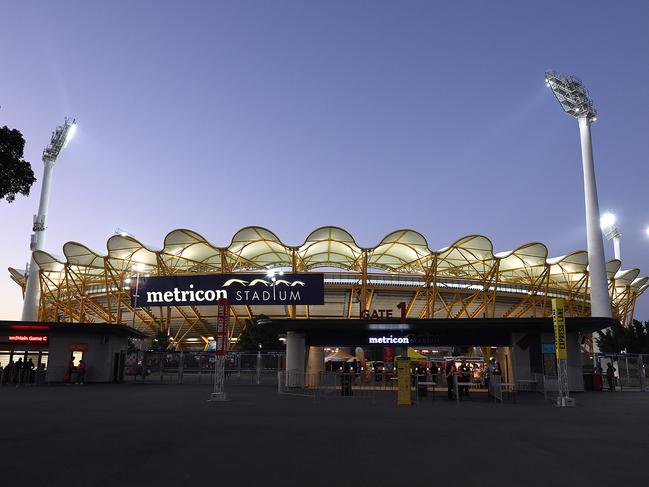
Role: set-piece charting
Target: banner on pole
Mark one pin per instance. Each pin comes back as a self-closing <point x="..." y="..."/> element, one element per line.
<point x="559" y="319"/>
<point x="222" y="324"/>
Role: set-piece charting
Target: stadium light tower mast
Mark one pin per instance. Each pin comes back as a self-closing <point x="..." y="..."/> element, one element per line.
<point x="60" y="138"/>
<point x="611" y="232"/>
<point x="575" y="100"/>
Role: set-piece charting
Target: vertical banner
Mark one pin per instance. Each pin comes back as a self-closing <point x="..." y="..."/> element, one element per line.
<point x="561" y="350"/>
<point x="388" y="358"/>
<point x="559" y="319"/>
<point x="222" y="323"/>
<point x="403" y="381"/>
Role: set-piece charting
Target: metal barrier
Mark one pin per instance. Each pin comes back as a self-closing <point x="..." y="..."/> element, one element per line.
<point x="198" y="367"/>
<point x="629" y="370"/>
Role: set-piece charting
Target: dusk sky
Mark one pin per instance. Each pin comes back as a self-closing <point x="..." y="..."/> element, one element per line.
<point x="372" y="116"/>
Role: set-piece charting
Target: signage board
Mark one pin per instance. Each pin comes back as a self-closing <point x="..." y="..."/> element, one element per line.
<point x="559" y="319"/>
<point x="28" y="338"/>
<point x="250" y="289"/>
<point x="547" y="348"/>
<point x="221" y="332"/>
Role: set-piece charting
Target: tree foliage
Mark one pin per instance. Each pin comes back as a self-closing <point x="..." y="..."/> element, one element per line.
<point x="259" y="331"/>
<point x="633" y="338"/>
<point x="16" y="175"/>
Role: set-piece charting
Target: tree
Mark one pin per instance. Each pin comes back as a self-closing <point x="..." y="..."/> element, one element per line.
<point x="633" y="338"/>
<point x="16" y="175"/>
<point x="259" y="331"/>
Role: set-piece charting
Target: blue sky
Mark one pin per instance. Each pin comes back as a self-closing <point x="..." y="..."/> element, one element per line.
<point x="372" y="116"/>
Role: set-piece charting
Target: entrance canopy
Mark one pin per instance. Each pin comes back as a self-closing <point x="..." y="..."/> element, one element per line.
<point x="427" y="332"/>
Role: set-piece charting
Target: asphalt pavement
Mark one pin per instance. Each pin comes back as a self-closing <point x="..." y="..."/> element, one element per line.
<point x="163" y="435"/>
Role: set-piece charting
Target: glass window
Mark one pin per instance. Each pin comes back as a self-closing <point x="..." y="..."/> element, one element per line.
<point x="44" y="356"/>
<point x="77" y="355"/>
<point x="5" y="356"/>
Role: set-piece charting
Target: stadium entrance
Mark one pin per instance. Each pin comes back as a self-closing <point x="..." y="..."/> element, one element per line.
<point x="523" y="345"/>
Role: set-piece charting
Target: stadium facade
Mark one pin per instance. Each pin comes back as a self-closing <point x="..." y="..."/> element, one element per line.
<point x="401" y="274"/>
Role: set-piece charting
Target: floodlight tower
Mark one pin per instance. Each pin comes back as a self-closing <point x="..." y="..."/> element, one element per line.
<point x="611" y="232"/>
<point x="60" y="138"/>
<point x="575" y="100"/>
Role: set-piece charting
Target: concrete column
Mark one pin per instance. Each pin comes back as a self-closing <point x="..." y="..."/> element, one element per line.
<point x="295" y="344"/>
<point x="600" y="302"/>
<point x="616" y="248"/>
<point x="315" y="365"/>
<point x="33" y="287"/>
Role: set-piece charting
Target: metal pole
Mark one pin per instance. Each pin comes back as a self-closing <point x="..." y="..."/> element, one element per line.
<point x="600" y="304"/>
<point x="616" y="248"/>
<point x="33" y="289"/>
<point x="136" y="295"/>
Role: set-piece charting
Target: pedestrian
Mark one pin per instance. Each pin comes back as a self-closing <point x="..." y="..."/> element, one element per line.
<point x="451" y="373"/>
<point x="67" y="378"/>
<point x="81" y="371"/>
<point x="610" y="376"/>
<point x="29" y="367"/>
<point x="497" y="371"/>
<point x="434" y="370"/>
<point x="9" y="372"/>
<point x="465" y="377"/>
<point x="18" y="371"/>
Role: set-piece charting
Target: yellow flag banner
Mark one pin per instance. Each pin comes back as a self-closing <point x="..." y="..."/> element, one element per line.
<point x="559" y="319"/>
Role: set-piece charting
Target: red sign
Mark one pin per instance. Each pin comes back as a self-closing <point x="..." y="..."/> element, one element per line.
<point x="28" y="338"/>
<point x="78" y="347"/>
<point x="222" y="322"/>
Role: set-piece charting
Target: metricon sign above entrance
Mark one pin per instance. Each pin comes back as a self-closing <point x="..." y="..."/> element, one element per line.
<point x="285" y="289"/>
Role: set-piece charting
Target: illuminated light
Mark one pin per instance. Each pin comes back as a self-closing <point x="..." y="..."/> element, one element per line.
<point x="139" y="267"/>
<point x="127" y="280"/>
<point x="72" y="129"/>
<point x="647" y="231"/>
<point x="28" y="338"/>
<point x="607" y="219"/>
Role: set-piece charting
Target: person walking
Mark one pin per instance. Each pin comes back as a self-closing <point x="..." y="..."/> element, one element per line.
<point x="451" y="373"/>
<point x="610" y="376"/>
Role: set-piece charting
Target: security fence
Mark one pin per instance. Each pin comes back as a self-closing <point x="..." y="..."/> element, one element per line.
<point x="198" y="367"/>
<point x="627" y="371"/>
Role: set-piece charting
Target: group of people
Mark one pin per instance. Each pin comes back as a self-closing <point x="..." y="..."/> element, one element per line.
<point x="463" y="375"/>
<point x="19" y="372"/>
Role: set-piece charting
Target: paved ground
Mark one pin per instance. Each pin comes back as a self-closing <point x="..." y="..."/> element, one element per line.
<point x="123" y="435"/>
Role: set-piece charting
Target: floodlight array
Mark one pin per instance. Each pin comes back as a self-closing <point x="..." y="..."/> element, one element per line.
<point x="60" y="137"/>
<point x="571" y="95"/>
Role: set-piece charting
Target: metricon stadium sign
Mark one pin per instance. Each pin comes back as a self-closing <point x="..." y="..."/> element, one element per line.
<point x="299" y="289"/>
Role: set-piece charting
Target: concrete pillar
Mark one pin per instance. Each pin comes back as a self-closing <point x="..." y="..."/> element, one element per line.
<point x="295" y="343"/>
<point x="315" y="365"/>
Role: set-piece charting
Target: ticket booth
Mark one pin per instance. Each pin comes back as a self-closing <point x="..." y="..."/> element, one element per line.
<point x="49" y="347"/>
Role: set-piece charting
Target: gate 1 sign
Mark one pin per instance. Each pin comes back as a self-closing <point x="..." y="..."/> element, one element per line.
<point x="222" y="321"/>
<point x="206" y="290"/>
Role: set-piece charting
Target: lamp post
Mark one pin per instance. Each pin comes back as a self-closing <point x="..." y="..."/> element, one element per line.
<point x="575" y="100"/>
<point x="60" y="138"/>
<point x="611" y="232"/>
